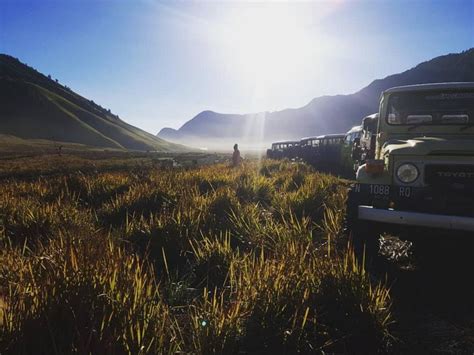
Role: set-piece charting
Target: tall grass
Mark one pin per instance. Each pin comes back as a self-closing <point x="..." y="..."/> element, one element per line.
<point x="206" y="260"/>
<point x="81" y="294"/>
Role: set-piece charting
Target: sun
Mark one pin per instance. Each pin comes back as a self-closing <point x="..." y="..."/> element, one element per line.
<point x="267" y="45"/>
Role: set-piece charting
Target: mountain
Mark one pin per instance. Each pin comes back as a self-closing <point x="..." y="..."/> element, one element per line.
<point x="326" y="114"/>
<point x="34" y="106"/>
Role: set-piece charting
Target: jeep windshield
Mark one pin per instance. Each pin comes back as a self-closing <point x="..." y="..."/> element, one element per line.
<point x="415" y="109"/>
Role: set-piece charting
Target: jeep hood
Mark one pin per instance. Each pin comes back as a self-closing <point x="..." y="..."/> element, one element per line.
<point x="429" y="146"/>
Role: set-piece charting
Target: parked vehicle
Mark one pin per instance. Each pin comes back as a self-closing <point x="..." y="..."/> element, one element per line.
<point x="359" y="145"/>
<point x="308" y="148"/>
<point x="285" y="149"/>
<point x="418" y="167"/>
<point x="351" y="151"/>
<point x="368" y="137"/>
<point x="322" y="152"/>
<point x="329" y="152"/>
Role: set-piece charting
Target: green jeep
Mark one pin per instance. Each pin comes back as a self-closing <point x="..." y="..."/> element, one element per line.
<point x="281" y="150"/>
<point x="421" y="174"/>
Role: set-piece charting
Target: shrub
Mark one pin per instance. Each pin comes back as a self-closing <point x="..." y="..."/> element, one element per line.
<point x="310" y="200"/>
<point x="198" y="260"/>
<point x="254" y="189"/>
<point x="297" y="301"/>
<point x="140" y="200"/>
<point x="81" y="295"/>
<point x="216" y="326"/>
<point x="32" y="222"/>
<point x="222" y="203"/>
<point x="96" y="190"/>
<point x="163" y="239"/>
<point x="296" y="180"/>
<point x="212" y="261"/>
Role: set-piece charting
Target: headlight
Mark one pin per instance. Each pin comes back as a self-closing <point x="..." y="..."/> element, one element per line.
<point x="407" y="173"/>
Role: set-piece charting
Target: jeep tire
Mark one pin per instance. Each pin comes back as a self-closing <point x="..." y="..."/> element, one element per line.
<point x="363" y="236"/>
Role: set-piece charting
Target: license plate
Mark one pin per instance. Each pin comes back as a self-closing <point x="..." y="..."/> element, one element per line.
<point x="385" y="190"/>
<point x="404" y="191"/>
<point x="380" y="190"/>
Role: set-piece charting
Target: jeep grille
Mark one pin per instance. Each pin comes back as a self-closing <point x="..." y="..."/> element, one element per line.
<point x="449" y="174"/>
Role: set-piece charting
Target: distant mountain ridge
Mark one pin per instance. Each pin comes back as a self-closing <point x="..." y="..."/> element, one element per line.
<point x="34" y="106"/>
<point x="323" y="115"/>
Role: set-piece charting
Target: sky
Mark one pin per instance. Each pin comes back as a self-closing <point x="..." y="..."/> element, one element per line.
<point x="158" y="64"/>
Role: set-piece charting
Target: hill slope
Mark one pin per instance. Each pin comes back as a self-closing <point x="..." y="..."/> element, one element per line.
<point x="326" y="114"/>
<point x="33" y="106"/>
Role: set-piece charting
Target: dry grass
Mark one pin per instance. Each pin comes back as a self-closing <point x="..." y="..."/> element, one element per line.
<point x="204" y="260"/>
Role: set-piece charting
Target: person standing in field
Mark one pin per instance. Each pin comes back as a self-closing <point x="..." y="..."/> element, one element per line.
<point x="236" y="158"/>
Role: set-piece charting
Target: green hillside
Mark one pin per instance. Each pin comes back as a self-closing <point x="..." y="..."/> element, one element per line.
<point x="34" y="106"/>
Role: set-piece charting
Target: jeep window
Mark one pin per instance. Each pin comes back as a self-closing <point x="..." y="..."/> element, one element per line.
<point x="431" y="108"/>
<point x="367" y="134"/>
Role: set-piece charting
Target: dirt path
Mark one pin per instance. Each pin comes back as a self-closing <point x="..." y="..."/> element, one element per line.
<point x="433" y="296"/>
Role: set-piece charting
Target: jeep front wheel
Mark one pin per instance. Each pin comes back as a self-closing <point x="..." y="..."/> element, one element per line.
<point x="363" y="236"/>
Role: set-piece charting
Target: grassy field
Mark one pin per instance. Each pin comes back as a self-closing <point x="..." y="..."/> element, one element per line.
<point x="30" y="163"/>
<point x="202" y="260"/>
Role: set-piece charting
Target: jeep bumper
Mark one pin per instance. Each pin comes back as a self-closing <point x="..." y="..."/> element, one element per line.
<point x="418" y="219"/>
